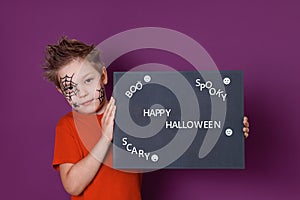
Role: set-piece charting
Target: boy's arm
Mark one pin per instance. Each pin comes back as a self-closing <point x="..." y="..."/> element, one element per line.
<point x="75" y="177"/>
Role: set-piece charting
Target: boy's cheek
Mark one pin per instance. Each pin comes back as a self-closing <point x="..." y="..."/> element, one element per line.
<point x="100" y="94"/>
<point x="74" y="105"/>
<point x="70" y="102"/>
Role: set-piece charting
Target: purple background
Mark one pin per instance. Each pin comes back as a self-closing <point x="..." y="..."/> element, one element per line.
<point x="259" y="37"/>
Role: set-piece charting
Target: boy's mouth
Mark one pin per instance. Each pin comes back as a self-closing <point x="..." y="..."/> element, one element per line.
<point x="86" y="103"/>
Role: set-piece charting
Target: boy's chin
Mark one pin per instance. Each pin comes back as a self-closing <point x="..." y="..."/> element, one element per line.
<point x="84" y="112"/>
<point x="87" y="110"/>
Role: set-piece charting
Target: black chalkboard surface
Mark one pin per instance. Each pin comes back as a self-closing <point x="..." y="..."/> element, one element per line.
<point x="179" y="119"/>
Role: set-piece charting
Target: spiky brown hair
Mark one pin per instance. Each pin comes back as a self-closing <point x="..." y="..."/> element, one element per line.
<point x="65" y="51"/>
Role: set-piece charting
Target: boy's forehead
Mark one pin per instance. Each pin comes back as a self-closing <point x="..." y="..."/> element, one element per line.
<point x="78" y="68"/>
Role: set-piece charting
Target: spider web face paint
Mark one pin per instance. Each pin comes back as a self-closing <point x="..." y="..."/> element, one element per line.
<point x="68" y="87"/>
<point x="101" y="94"/>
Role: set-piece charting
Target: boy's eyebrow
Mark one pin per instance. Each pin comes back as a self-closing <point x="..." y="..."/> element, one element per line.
<point x="84" y="76"/>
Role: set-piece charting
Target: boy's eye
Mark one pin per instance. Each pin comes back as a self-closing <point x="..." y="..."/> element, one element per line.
<point x="88" y="80"/>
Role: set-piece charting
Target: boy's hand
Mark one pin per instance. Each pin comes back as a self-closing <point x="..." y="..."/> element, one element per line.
<point x="246" y="127"/>
<point x="108" y="119"/>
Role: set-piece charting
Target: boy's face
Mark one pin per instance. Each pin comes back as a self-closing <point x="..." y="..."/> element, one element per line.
<point x="83" y="86"/>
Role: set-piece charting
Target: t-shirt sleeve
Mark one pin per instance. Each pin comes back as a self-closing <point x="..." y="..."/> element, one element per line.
<point x="66" y="149"/>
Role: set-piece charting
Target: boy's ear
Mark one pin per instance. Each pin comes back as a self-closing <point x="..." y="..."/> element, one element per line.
<point x="104" y="77"/>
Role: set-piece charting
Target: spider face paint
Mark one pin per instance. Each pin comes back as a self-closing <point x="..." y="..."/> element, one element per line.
<point x="75" y="105"/>
<point x="83" y="86"/>
<point x="101" y="95"/>
<point x="68" y="87"/>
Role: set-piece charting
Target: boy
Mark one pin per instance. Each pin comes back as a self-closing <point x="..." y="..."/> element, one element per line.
<point x="77" y="72"/>
<point x="81" y="146"/>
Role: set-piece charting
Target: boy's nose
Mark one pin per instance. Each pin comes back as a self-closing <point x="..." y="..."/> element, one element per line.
<point x="82" y="93"/>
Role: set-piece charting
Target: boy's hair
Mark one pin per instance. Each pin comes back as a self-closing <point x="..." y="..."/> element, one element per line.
<point x="65" y="51"/>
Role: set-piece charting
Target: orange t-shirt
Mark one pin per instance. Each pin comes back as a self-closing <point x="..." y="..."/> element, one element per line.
<point x="76" y="134"/>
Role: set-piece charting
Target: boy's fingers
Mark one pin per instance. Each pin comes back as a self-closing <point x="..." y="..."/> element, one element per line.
<point x="113" y="112"/>
<point x="110" y="110"/>
<point x="246" y="130"/>
<point x="111" y="106"/>
<point x="112" y="99"/>
<point x="246" y="124"/>
<point x="108" y="106"/>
